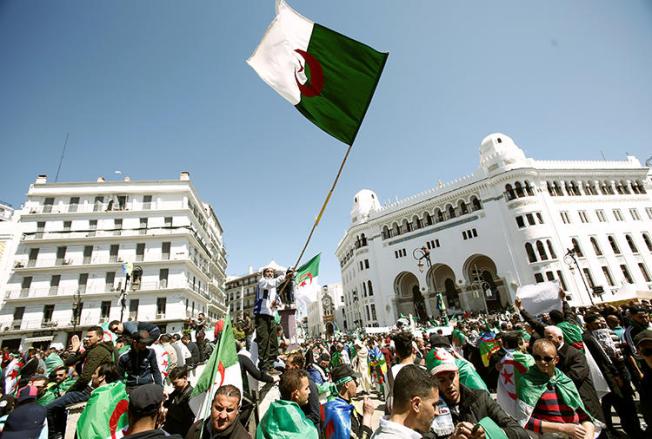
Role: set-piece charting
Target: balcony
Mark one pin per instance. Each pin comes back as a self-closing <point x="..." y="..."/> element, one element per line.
<point x="83" y="234"/>
<point x="34" y="324"/>
<point x="51" y="262"/>
<point x="105" y="207"/>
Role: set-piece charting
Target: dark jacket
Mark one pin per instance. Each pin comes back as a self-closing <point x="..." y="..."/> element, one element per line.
<point x="610" y="368"/>
<point x="131" y="329"/>
<point x="312" y="410"/>
<point x="153" y="434"/>
<point x="90" y="360"/>
<point x="179" y="417"/>
<point x="477" y="404"/>
<point x="194" y="354"/>
<point x="205" y="350"/>
<point x="235" y="431"/>
<point x="140" y="367"/>
<point x="573" y="363"/>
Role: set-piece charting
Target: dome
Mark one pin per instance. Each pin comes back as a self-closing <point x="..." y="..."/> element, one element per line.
<point x="499" y="151"/>
<point x="364" y="203"/>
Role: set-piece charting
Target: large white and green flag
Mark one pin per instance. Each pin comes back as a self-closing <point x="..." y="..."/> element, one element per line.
<point x="327" y="76"/>
<point x="221" y="368"/>
<point x="306" y="279"/>
<point x="513" y="365"/>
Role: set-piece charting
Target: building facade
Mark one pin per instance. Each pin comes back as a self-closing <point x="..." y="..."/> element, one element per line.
<point x="78" y="243"/>
<point x="514" y="221"/>
<point x="326" y="314"/>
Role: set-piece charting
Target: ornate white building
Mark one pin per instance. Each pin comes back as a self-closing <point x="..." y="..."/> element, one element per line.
<point x="80" y="239"/>
<point x="326" y="314"/>
<point x="510" y="223"/>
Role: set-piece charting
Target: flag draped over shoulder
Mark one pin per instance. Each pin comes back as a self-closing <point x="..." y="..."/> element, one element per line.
<point x="532" y="385"/>
<point x="469" y="377"/>
<point x="487" y="346"/>
<point x="327" y="76"/>
<point x="336" y="418"/>
<point x="306" y="279"/>
<point x="513" y="365"/>
<point x="105" y="412"/>
<point x="222" y="368"/>
<point x="285" y="420"/>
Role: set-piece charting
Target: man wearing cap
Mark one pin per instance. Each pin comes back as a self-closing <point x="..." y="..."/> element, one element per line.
<point x="643" y="342"/>
<point x="340" y="418"/>
<point x="146" y="413"/>
<point x="469" y="407"/>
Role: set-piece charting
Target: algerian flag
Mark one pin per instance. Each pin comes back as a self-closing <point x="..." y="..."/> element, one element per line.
<point x="306" y="279"/>
<point x="221" y="368"/>
<point x="105" y="413"/>
<point x="327" y="76"/>
<point x="513" y="365"/>
<point x="163" y="360"/>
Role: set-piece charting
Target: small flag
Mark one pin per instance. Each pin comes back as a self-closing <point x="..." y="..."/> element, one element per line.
<point x="105" y="413"/>
<point x="306" y="279"/>
<point x="487" y="346"/>
<point x="222" y="368"/>
<point x="327" y="76"/>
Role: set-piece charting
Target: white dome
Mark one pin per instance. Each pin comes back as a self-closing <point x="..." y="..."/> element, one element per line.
<point x="499" y="151"/>
<point x="364" y="203"/>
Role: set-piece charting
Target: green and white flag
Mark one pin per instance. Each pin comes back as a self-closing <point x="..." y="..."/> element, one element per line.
<point x="306" y="279"/>
<point x="327" y="76"/>
<point x="105" y="414"/>
<point x="513" y="365"/>
<point x="221" y="368"/>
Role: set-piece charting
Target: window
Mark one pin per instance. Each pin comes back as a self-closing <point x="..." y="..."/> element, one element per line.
<point x="538" y="277"/>
<point x="92" y="227"/>
<point x="596" y="247"/>
<point x="168" y="221"/>
<point x="564" y="217"/>
<point x="464" y="235"/>
<point x="530" y="253"/>
<point x="67" y="226"/>
<point x="48" y="310"/>
<point x="364" y="289"/>
<point x="539" y="218"/>
<point x="161" y="304"/>
<point x="648" y="243"/>
<point x="618" y="215"/>
<point x="147" y="202"/>
<point x="551" y="250"/>
<point x="47" y="205"/>
<point x="634" y="214"/>
<point x="109" y="280"/>
<point x="373" y="312"/>
<point x="370" y="288"/>
<point x="40" y="228"/>
<point x="550" y="276"/>
<point x="105" y="310"/>
<point x="97" y="204"/>
<point x="61" y="255"/>
<point x="648" y="210"/>
<point x="576" y="247"/>
<point x="54" y="284"/>
<point x="33" y="255"/>
<point x="361" y="265"/>
<point x="561" y="279"/>
<point x="73" y="204"/>
<point x="117" y="227"/>
<point x="25" y="286"/>
<point x="88" y="254"/>
<point x="613" y="244"/>
<point x="18" y="316"/>
<point x="140" y="252"/>
<point x="133" y="309"/>
<point x="626" y="274"/>
<point x="607" y="275"/>
<point x="631" y="244"/>
<point x="122" y="202"/>
<point x="600" y="215"/>
<point x="520" y="222"/>
<point x="530" y="219"/>
<point x="165" y="251"/>
<point x="163" y="278"/>
<point x="143" y="226"/>
<point x="542" y="251"/>
<point x="588" y="277"/>
<point x="583" y="217"/>
<point x="113" y="252"/>
<point x="83" y="281"/>
<point x="646" y="275"/>
<point x="368" y="314"/>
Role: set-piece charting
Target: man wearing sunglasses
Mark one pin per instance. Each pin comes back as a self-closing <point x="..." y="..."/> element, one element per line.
<point x="548" y="400"/>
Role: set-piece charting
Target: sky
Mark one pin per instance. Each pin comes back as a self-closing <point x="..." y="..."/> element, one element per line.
<point x="151" y="88"/>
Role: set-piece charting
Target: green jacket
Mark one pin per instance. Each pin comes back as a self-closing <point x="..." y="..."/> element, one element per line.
<point x="90" y="360"/>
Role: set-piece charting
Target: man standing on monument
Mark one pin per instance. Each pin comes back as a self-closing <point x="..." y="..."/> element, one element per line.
<point x="267" y="302"/>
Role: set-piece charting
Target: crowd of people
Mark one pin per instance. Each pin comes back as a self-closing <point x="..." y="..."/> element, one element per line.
<point x="505" y="375"/>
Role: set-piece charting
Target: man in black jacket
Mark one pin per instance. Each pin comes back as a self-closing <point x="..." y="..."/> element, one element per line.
<point x="139" y="365"/>
<point x="194" y="351"/>
<point x="467" y="406"/>
<point x="179" y="417"/>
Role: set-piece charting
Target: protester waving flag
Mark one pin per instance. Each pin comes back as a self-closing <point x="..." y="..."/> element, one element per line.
<point x="327" y="76"/>
<point x="222" y="368"/>
<point x="513" y="365"/>
<point x="105" y="414"/>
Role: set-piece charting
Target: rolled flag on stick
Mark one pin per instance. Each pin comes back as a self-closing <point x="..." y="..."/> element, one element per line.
<point x="221" y="368"/>
<point x="327" y="76"/>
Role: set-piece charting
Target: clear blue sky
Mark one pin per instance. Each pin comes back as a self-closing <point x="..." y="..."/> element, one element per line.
<point x="154" y="87"/>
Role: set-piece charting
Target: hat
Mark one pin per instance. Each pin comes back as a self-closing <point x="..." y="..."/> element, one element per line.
<point x="146" y="400"/>
<point x="341" y="373"/>
<point x="440" y="360"/>
<point x="643" y="336"/>
<point x="439" y="341"/>
<point x="25" y="422"/>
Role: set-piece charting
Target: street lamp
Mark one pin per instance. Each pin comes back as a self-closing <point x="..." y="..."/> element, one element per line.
<point x="76" y="311"/>
<point x="421" y="254"/>
<point x="570" y="259"/>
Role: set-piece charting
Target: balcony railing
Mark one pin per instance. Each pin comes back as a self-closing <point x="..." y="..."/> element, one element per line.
<point x="152" y="231"/>
<point x="46" y="324"/>
<point x="46" y="262"/>
<point x="106" y="207"/>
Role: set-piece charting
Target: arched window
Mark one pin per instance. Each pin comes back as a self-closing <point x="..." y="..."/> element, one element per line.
<point x="631" y="244"/>
<point x="519" y="189"/>
<point x="614" y="246"/>
<point x="542" y="251"/>
<point x="370" y="288"/>
<point x="386" y="233"/>
<point x="624" y="186"/>
<point x="439" y="215"/>
<point x="648" y="243"/>
<point x="363" y="240"/>
<point x="576" y="246"/>
<point x="463" y="208"/>
<point x="596" y="247"/>
<point x="509" y="192"/>
<point x="451" y="211"/>
<point x="568" y="188"/>
<point x="357" y="242"/>
<point x="475" y="203"/>
<point x="406" y="226"/>
<point x="428" y="218"/>
<point x="551" y="189"/>
<point x="619" y="187"/>
<point x="641" y="187"/>
<point x="530" y="252"/>
<point x="551" y="250"/>
<point x="634" y="187"/>
<point x="528" y="189"/>
<point x="396" y="229"/>
<point x="416" y="222"/>
<point x="364" y="289"/>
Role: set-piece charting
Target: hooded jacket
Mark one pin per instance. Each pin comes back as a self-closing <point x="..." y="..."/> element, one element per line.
<point x="90" y="360"/>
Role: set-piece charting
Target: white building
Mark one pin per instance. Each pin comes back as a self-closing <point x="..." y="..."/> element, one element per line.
<point x="79" y="239"/>
<point x="9" y="237"/>
<point x="508" y="224"/>
<point x="326" y="314"/>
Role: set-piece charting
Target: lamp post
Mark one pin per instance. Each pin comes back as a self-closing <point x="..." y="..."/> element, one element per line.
<point x="420" y="255"/>
<point x="76" y="311"/>
<point x="570" y="259"/>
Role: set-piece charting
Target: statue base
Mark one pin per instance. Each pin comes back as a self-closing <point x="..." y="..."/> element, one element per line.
<point x="289" y="323"/>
